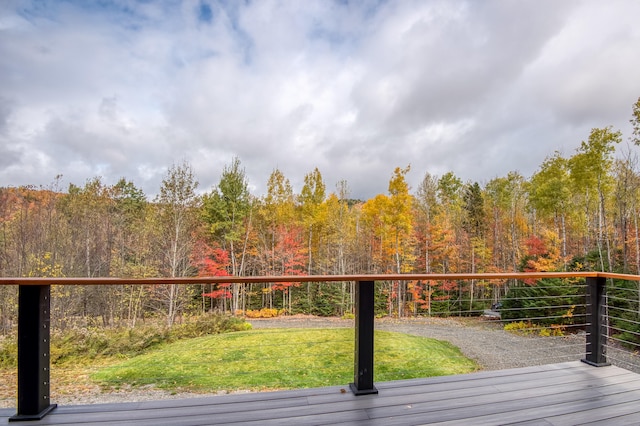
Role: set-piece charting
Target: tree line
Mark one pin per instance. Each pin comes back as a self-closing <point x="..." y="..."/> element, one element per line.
<point x="574" y="213"/>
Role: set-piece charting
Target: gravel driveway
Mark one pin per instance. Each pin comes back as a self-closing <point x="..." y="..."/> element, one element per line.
<point x="483" y="341"/>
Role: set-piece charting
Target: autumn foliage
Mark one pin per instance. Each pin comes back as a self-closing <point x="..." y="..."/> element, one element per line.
<point x="574" y="213"/>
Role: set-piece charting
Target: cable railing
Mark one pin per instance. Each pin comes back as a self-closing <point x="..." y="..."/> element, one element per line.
<point x="621" y="313"/>
<point x="585" y="320"/>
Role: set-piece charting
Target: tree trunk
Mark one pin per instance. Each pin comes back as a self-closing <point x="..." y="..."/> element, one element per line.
<point x="473" y="271"/>
<point x="564" y="241"/>
<point x="637" y="232"/>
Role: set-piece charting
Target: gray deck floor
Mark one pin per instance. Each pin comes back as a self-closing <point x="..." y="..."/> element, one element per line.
<point x="557" y="394"/>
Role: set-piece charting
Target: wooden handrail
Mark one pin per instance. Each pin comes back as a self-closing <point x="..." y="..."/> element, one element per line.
<point x="310" y="278"/>
<point x="616" y="276"/>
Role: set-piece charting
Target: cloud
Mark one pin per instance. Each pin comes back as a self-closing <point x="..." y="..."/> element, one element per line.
<point x="127" y="88"/>
<point x="5" y="113"/>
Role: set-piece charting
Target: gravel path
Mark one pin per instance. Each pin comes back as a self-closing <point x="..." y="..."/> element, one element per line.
<point x="481" y="340"/>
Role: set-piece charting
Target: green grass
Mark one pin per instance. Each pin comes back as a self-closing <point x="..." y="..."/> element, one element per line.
<point x="281" y="359"/>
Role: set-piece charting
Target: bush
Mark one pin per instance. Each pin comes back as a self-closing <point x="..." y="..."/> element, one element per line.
<point x="521" y="327"/>
<point x="264" y="313"/>
<point x="75" y="344"/>
<point x="85" y="344"/>
<point x="529" y="329"/>
<point x="203" y="325"/>
<point x="555" y="330"/>
<point x="8" y="352"/>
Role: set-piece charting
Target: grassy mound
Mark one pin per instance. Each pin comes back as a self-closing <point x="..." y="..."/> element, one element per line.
<point x="281" y="359"/>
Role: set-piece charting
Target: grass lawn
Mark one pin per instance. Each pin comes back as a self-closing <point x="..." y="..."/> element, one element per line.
<point x="281" y="359"/>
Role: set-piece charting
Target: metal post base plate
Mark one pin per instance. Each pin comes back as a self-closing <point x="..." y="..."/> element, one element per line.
<point x="356" y="391"/>
<point x="596" y="364"/>
<point x="38" y="416"/>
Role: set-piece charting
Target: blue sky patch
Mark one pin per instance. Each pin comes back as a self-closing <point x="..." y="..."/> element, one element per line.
<point x="205" y="14"/>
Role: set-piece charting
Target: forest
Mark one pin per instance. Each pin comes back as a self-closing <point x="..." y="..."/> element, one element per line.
<point x="577" y="212"/>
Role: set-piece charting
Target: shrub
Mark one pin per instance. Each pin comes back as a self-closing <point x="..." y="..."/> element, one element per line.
<point x="8" y="352"/>
<point x="521" y="328"/>
<point x="527" y="328"/>
<point x="556" y="330"/>
<point x="85" y="344"/>
<point x="264" y="313"/>
<point x="203" y="325"/>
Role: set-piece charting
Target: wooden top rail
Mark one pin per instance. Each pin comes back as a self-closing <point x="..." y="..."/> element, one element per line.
<point x="311" y="278"/>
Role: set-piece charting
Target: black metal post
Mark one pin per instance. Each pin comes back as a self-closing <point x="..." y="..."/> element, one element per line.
<point x="33" y="352"/>
<point x="363" y="359"/>
<point x="595" y="324"/>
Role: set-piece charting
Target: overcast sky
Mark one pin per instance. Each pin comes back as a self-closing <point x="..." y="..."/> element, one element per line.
<point x="128" y="88"/>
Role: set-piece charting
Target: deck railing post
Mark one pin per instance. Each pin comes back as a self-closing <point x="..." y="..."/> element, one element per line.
<point x="33" y="352"/>
<point x="363" y="359"/>
<point x="595" y="353"/>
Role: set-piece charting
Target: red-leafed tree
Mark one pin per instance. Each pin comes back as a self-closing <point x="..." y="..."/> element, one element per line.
<point x="227" y="212"/>
<point x="289" y="259"/>
<point x="542" y="254"/>
<point x="213" y="262"/>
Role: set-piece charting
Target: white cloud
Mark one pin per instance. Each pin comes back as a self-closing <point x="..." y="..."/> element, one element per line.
<point x="356" y="89"/>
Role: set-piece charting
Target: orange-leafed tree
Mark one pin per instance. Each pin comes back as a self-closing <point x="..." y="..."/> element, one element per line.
<point x="311" y="203"/>
<point x="389" y="220"/>
<point x="277" y="224"/>
<point x="400" y="219"/>
<point x="542" y="254"/>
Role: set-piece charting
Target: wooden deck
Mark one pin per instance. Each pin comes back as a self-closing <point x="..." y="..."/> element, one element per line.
<point x="557" y="394"/>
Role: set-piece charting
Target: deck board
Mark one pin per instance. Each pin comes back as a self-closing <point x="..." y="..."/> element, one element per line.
<point x="556" y="394"/>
